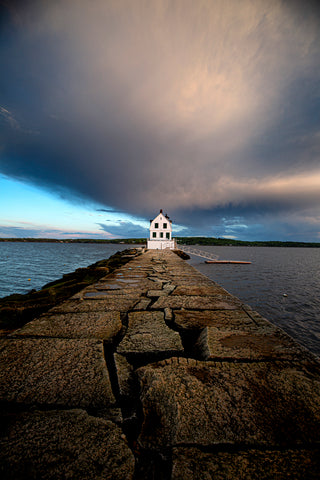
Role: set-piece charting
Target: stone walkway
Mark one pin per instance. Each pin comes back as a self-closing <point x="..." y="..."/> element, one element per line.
<point x="156" y="372"/>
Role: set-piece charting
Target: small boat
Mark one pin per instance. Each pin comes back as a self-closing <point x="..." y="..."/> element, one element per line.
<point x="227" y="261"/>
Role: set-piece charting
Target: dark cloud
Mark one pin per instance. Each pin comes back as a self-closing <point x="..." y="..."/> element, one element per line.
<point x="125" y="230"/>
<point x="207" y="109"/>
<point x="109" y="210"/>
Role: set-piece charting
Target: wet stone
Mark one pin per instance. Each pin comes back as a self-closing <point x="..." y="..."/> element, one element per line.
<point x="185" y="401"/>
<point x="103" y="325"/>
<point x="63" y="444"/>
<point x="54" y="372"/>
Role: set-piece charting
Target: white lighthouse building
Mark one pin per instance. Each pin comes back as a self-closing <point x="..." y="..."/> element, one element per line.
<point x="160" y="233"/>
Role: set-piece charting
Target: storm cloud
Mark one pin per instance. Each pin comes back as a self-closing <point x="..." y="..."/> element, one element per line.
<point x="208" y="109"/>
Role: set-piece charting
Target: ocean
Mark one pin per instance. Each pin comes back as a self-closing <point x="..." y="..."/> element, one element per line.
<point x="30" y="265"/>
<point x="282" y="284"/>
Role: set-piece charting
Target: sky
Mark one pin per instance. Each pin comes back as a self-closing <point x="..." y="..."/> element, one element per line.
<point x="111" y="110"/>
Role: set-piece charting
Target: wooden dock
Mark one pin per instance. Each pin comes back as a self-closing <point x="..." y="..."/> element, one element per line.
<point x="157" y="372"/>
<point x="241" y="262"/>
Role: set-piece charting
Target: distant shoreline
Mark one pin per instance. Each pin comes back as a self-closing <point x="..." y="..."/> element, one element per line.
<point x="180" y="240"/>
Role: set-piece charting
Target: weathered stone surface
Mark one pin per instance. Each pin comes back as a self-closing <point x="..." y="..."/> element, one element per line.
<point x="168" y="315"/>
<point x="219" y="302"/>
<point x="207" y="403"/>
<point x="54" y="372"/>
<point x="124" y="375"/>
<point x="156" y="280"/>
<point x="118" y="303"/>
<point x="224" y="319"/>
<point x="128" y="283"/>
<point x="169" y="287"/>
<point x="142" y="304"/>
<point x="157" y="293"/>
<point x="193" y="464"/>
<point x="202" y="290"/>
<point x="148" y="333"/>
<point x="240" y="414"/>
<point x="63" y="444"/>
<point x="255" y="345"/>
<point x="103" y="325"/>
<point x="185" y="279"/>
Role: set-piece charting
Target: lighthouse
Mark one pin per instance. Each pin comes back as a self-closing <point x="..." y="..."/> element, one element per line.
<point x="161" y="233"/>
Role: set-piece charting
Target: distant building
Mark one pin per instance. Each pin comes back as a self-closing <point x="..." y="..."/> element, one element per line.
<point x="160" y="233"/>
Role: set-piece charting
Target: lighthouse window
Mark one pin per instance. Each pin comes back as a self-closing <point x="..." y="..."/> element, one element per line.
<point x="154" y="234"/>
<point x="164" y="225"/>
<point x="161" y="234"/>
<point x="168" y="235"/>
<point x="156" y="225"/>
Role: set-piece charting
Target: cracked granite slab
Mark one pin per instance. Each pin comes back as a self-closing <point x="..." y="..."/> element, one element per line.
<point x="148" y="333"/>
<point x="119" y="303"/>
<point x="63" y="445"/>
<point x="103" y="325"/>
<point x="219" y="302"/>
<point x="186" y="401"/>
<point x="54" y="372"/>
<point x="194" y="464"/>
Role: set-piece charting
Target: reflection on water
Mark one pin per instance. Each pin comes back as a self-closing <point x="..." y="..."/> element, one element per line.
<point x="273" y="273"/>
<point x="45" y="262"/>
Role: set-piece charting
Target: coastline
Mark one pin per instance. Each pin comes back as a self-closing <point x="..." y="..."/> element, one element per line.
<point x="156" y="371"/>
<point x="197" y="241"/>
<point x="18" y="309"/>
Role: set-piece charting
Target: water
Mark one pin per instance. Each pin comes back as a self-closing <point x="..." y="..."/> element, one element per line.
<point x="274" y="272"/>
<point x="45" y="262"/>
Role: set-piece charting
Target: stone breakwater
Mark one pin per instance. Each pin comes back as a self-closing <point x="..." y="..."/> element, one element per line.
<point x="156" y="372"/>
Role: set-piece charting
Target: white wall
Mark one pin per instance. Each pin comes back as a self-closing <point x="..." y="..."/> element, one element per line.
<point x="161" y="244"/>
<point x="160" y="228"/>
<point x="161" y="233"/>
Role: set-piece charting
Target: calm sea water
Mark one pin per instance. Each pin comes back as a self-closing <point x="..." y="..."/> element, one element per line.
<point x="274" y="272"/>
<point x="45" y="262"/>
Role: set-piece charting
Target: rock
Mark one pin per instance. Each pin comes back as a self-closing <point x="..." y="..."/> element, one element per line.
<point x="124" y="376"/>
<point x="219" y="302"/>
<point x="103" y="325"/>
<point x="220" y="319"/>
<point x="63" y="444"/>
<point x="118" y="303"/>
<point x="157" y="293"/>
<point x="254" y="345"/>
<point x="194" y="464"/>
<point x="207" y="403"/>
<point x="143" y="304"/>
<point x="147" y="335"/>
<point x="202" y="290"/>
<point x="168" y="315"/>
<point x="54" y="372"/>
